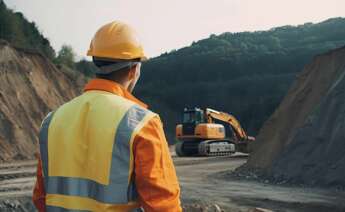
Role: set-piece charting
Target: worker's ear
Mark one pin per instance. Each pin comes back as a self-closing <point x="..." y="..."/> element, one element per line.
<point x="134" y="73"/>
<point x="131" y="73"/>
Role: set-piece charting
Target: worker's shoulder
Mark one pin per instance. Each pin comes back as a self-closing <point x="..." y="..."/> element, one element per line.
<point x="105" y="101"/>
<point x="96" y="98"/>
<point x="138" y="110"/>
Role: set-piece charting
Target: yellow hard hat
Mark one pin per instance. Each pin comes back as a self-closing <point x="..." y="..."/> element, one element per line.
<point x="116" y="40"/>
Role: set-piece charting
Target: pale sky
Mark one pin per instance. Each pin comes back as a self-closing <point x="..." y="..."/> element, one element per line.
<point x="168" y="24"/>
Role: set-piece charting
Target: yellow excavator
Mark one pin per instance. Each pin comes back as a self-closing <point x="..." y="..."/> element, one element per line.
<point x="210" y="133"/>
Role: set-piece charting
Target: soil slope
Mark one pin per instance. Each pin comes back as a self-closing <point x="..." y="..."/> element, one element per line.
<point x="304" y="140"/>
<point x="30" y="87"/>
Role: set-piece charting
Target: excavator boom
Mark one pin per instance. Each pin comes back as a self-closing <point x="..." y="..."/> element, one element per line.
<point x="227" y="118"/>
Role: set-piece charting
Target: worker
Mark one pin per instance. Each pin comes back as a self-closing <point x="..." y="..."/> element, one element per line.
<point x="104" y="150"/>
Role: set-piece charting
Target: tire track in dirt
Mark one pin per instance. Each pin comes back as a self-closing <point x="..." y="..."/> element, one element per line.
<point x="17" y="178"/>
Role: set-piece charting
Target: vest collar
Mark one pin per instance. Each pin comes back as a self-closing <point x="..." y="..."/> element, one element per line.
<point x="112" y="87"/>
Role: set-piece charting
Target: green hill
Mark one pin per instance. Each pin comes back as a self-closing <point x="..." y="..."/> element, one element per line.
<point x="246" y="74"/>
<point x="18" y="31"/>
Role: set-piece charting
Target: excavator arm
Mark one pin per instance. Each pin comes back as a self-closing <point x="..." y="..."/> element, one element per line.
<point x="227" y="118"/>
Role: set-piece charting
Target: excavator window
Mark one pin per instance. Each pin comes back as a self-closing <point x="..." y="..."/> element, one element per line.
<point x="188" y="117"/>
<point x="193" y="116"/>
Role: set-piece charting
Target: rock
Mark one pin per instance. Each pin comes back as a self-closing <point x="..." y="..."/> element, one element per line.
<point x="217" y="208"/>
<point x="261" y="210"/>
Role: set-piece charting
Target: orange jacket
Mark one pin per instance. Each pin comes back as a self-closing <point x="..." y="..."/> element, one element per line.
<point x="155" y="174"/>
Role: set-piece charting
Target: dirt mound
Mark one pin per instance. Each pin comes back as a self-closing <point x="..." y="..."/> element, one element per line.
<point x="304" y="140"/>
<point x="30" y="86"/>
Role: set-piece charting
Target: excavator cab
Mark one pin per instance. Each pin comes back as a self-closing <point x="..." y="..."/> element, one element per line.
<point x="195" y="115"/>
<point x="191" y="118"/>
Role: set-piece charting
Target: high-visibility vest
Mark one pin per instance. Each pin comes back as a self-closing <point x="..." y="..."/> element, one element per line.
<point x="87" y="156"/>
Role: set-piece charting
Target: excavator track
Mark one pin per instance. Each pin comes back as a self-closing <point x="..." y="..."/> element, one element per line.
<point x="209" y="148"/>
<point x="216" y="148"/>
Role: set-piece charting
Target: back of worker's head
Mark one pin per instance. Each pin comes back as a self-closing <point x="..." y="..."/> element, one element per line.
<point x="123" y="72"/>
<point x="117" y="53"/>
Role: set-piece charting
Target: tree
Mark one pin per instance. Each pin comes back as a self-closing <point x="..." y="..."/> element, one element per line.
<point x="86" y="67"/>
<point x="66" y="56"/>
<point x="18" y="31"/>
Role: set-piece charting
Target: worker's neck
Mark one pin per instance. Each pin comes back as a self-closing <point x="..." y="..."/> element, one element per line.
<point x="123" y="83"/>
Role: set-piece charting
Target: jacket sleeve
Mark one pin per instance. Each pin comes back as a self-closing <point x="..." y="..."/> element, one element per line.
<point x="39" y="194"/>
<point x="155" y="174"/>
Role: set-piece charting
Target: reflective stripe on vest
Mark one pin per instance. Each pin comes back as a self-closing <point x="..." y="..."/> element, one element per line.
<point x="121" y="188"/>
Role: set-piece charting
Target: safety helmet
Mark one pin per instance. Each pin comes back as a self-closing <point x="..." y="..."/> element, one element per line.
<point x="117" y="41"/>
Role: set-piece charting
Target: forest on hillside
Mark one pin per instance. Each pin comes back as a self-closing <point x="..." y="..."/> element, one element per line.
<point x="21" y="33"/>
<point x="246" y="74"/>
<point x="18" y="31"/>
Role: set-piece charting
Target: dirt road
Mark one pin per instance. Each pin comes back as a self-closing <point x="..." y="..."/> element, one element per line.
<point x="201" y="184"/>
